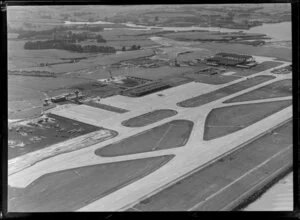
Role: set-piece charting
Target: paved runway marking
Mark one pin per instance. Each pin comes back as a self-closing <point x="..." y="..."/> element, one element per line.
<point x="162" y="137"/>
<point x="238" y="179"/>
<point x="264" y="179"/>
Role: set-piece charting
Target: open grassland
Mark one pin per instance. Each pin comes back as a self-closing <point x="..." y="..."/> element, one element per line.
<point x="169" y="135"/>
<point x="223" y="92"/>
<point x="256" y="69"/>
<point x="149" y="118"/>
<point x="277" y="89"/>
<point x="157" y="73"/>
<point x="30" y="60"/>
<point x="101" y="60"/>
<point x="203" y="190"/>
<point x="72" y="189"/>
<point x="19" y="58"/>
<point x="23" y="139"/>
<point x="209" y="79"/>
<point x="26" y="93"/>
<point x="95" y="89"/>
<point x="226" y="120"/>
<point x="279" y="53"/>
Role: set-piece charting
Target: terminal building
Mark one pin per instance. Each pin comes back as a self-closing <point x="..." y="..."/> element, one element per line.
<point x="145" y="89"/>
<point x="231" y="59"/>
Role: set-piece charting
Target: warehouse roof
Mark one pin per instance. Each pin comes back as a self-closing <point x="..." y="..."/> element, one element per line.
<point x="225" y="61"/>
<point x="233" y="55"/>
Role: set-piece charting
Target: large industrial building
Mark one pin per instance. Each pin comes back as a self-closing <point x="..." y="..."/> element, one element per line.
<point x="146" y="88"/>
<point x="231" y="59"/>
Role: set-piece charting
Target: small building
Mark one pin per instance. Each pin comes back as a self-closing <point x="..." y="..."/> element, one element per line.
<point x="58" y="99"/>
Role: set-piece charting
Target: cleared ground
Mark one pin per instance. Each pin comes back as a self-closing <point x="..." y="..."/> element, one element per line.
<point x="169" y="135"/>
<point x="149" y="118"/>
<point x="217" y="185"/>
<point x="23" y="139"/>
<point x="226" y="120"/>
<point x="220" y="93"/>
<point x="72" y="189"/>
<point x="277" y="89"/>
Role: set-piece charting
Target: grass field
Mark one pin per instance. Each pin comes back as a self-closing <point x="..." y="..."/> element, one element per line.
<point x="23" y="90"/>
<point x="210" y="79"/>
<point x="95" y="89"/>
<point x="277" y="89"/>
<point x="23" y="139"/>
<point x="19" y="58"/>
<point x="280" y="53"/>
<point x="198" y="186"/>
<point x="149" y="118"/>
<point x="69" y="190"/>
<point x="256" y="69"/>
<point x="169" y="135"/>
<point x="226" y="120"/>
<point x="223" y="92"/>
<point x="154" y="73"/>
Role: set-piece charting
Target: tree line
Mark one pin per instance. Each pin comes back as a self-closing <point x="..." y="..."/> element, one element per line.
<point x="62" y="45"/>
<point x="60" y="30"/>
<point x="133" y="47"/>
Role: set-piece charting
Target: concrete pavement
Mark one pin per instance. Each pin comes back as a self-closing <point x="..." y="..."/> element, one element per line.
<point x="194" y="154"/>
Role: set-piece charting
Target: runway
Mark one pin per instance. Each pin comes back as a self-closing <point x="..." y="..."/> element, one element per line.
<point x="196" y="153"/>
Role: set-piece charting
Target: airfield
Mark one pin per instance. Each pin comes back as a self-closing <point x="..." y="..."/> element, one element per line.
<point x="205" y="144"/>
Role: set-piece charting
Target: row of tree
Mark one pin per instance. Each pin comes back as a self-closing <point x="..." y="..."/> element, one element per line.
<point x="58" y="44"/>
<point x="61" y="30"/>
<point x="133" y="47"/>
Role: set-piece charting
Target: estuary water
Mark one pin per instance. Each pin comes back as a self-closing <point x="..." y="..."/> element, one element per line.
<point x="277" y="31"/>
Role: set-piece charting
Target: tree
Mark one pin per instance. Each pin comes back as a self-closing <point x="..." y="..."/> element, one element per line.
<point x="76" y="93"/>
<point x="123" y="48"/>
<point x="133" y="47"/>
